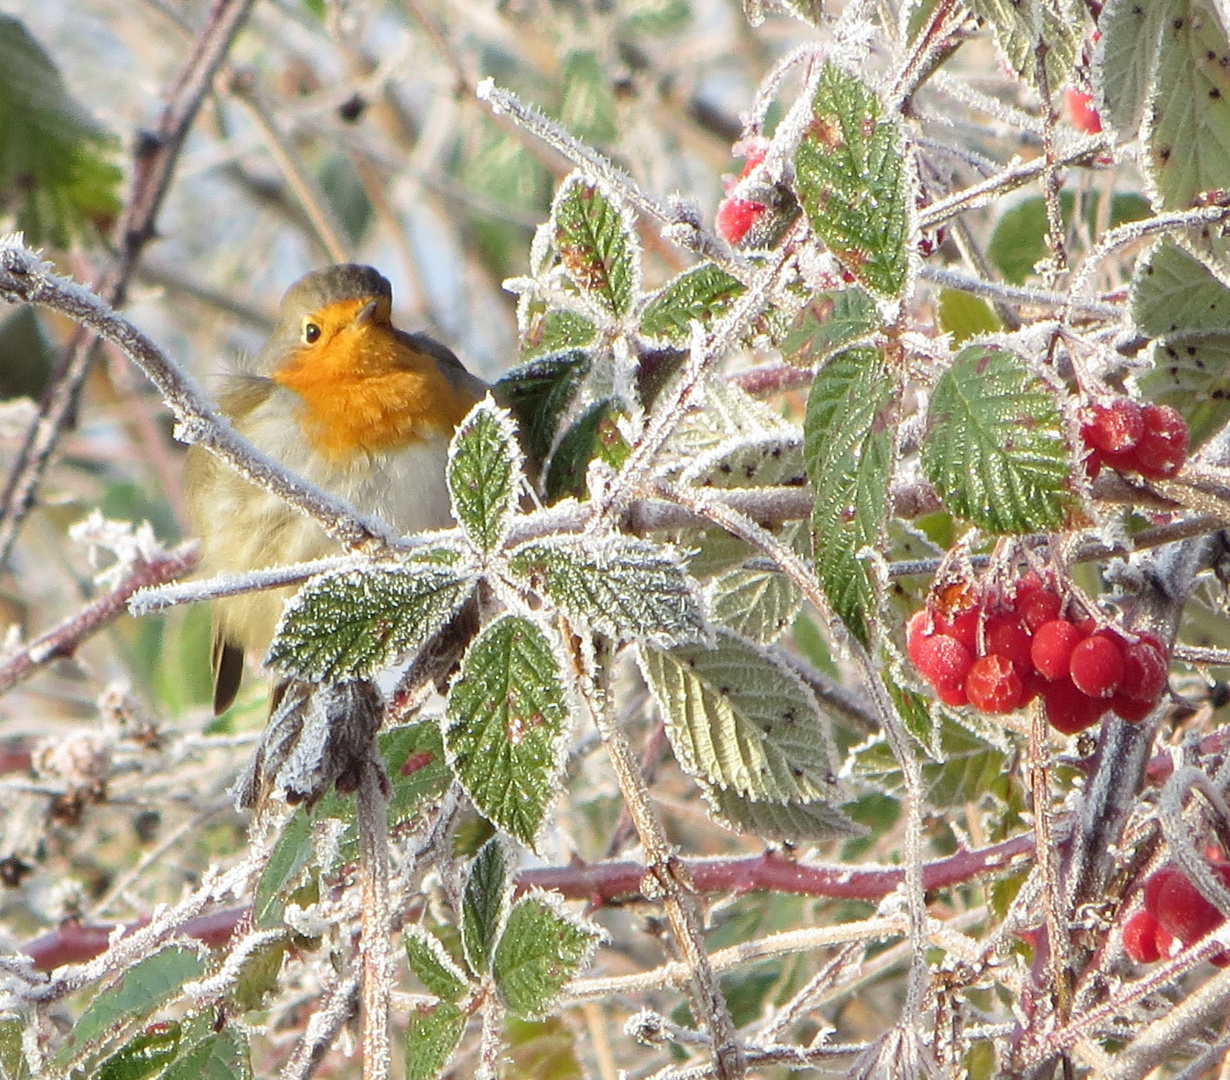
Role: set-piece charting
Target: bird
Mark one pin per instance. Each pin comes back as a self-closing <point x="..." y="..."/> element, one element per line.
<point x="342" y="397"/>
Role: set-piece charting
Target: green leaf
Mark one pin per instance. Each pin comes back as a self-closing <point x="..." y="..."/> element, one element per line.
<point x="594" y="435"/>
<point x="484" y="903"/>
<point x="792" y="821"/>
<point x="1124" y="59"/>
<point x="965" y="316"/>
<point x="538" y="395"/>
<point x="484" y="475"/>
<point x="655" y="18"/>
<point x="12" y="1058"/>
<point x="830" y="322"/>
<point x="1020" y="26"/>
<point x="56" y="167"/>
<point x="588" y="110"/>
<point x="704" y="293"/>
<point x="145" y="986"/>
<point x="994" y="448"/>
<point x="349" y="623"/>
<point x="737" y="718"/>
<point x="432" y="965"/>
<point x="762" y="459"/>
<point x="221" y="1055"/>
<point x="728" y="413"/>
<point x="851" y="182"/>
<point x="542" y="947"/>
<point x="143" y="1055"/>
<point x="759" y="604"/>
<point x="1191" y="372"/>
<point x="971" y="767"/>
<point x="1187" y="129"/>
<point x="596" y="244"/>
<point x="915" y="713"/>
<point x="289" y="856"/>
<point x="433" y="1033"/>
<point x="506" y="726"/>
<point x="1173" y="292"/>
<point x="556" y="331"/>
<point x="848" y="434"/>
<point x="258" y="976"/>
<point x="624" y="588"/>
<point x="543" y="1049"/>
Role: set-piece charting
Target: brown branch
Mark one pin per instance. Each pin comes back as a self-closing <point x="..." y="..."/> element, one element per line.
<point x="156" y="156"/>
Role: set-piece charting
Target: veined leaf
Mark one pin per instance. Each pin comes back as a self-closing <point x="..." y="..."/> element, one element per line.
<point x="762" y="459"/>
<point x="543" y="946"/>
<point x="538" y="395"/>
<point x="595" y="434"/>
<point x="556" y="331"/>
<point x="1187" y="128"/>
<point x="433" y="1033"/>
<point x="484" y="903"/>
<point x="217" y="1055"/>
<point x="1124" y="59"/>
<point x="738" y="719"/>
<point x="759" y="603"/>
<point x="830" y="322"/>
<point x="1020" y="26"/>
<point x="1191" y="372"/>
<point x="792" y="821"/>
<point x="1173" y="292"/>
<point x="484" y="475"/>
<point x="433" y="967"/>
<point x="994" y="448"/>
<point x="704" y="293"/>
<point x="849" y="450"/>
<point x="506" y="726"/>
<point x="851" y="182"/>
<point x="289" y="856"/>
<point x="349" y="623"/>
<point x="624" y="588"/>
<point x="596" y="244"/>
<point x="143" y="1055"/>
<point x="728" y="412"/>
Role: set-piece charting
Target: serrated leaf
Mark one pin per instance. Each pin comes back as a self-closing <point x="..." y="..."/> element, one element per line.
<point x="1020" y="26"/>
<point x="1124" y="59"/>
<point x="762" y="459"/>
<point x="538" y="395"/>
<point x="258" y="976"/>
<point x="432" y="965"/>
<point x="596" y="244"/>
<point x="1173" y="292"/>
<point x="704" y="294"/>
<point x="289" y="856"/>
<point x="144" y="1055"/>
<point x="817" y="820"/>
<point x="484" y="475"/>
<point x="1187" y="128"/>
<point x="626" y="589"/>
<point x="849" y="449"/>
<point x="556" y="331"/>
<point x="349" y="623"/>
<point x="971" y="767"/>
<point x="738" y="719"/>
<point x="830" y="322"/>
<point x="484" y="903"/>
<point x="1191" y="372"/>
<point x="145" y="986"/>
<point x="541" y="948"/>
<point x="759" y="604"/>
<point x="994" y="448"/>
<point x="221" y="1055"/>
<point x="433" y="1034"/>
<point x="506" y="724"/>
<point x="916" y="714"/>
<point x="588" y="109"/>
<point x="851" y="182"/>
<point x="56" y="170"/>
<point x="595" y="434"/>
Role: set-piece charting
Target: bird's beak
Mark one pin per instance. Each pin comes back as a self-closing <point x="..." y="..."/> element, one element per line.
<point x="366" y="312"/>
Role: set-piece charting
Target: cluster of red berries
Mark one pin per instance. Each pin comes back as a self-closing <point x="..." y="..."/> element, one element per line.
<point x="1129" y="437"/>
<point x="1174" y="909"/>
<point x="999" y="658"/>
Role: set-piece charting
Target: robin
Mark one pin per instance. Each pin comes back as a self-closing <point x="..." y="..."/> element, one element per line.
<point x="346" y="400"/>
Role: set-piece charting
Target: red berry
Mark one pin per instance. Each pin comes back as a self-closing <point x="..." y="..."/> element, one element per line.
<point x="1163" y="446"/>
<point x="1131" y="709"/>
<point x="1113" y="428"/>
<point x="952" y="695"/>
<point x="1096" y="667"/>
<point x="943" y="661"/>
<point x="1084" y="116"/>
<point x="1144" y="669"/>
<point x="1051" y="648"/>
<point x="920" y="627"/>
<point x="735" y="217"/>
<point x="1183" y="910"/>
<point x="1039" y="607"/>
<point x="1155" y="883"/>
<point x="1004" y="636"/>
<point x="1035" y="686"/>
<point x="1145" y="939"/>
<point x="993" y="685"/>
<point x="1068" y="710"/>
<point x="963" y="627"/>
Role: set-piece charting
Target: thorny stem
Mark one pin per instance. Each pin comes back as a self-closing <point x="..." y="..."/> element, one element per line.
<point x="898" y="738"/>
<point x="373" y="823"/>
<point x="1047" y="866"/>
<point x="1052" y="177"/>
<point x="665" y="873"/>
<point x="322" y="1029"/>
<point x="156" y="158"/>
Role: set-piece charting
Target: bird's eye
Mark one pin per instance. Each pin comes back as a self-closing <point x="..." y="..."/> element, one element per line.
<point x="311" y="332"/>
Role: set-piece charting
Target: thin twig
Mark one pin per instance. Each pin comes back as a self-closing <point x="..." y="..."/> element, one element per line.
<point x="373" y="824"/>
